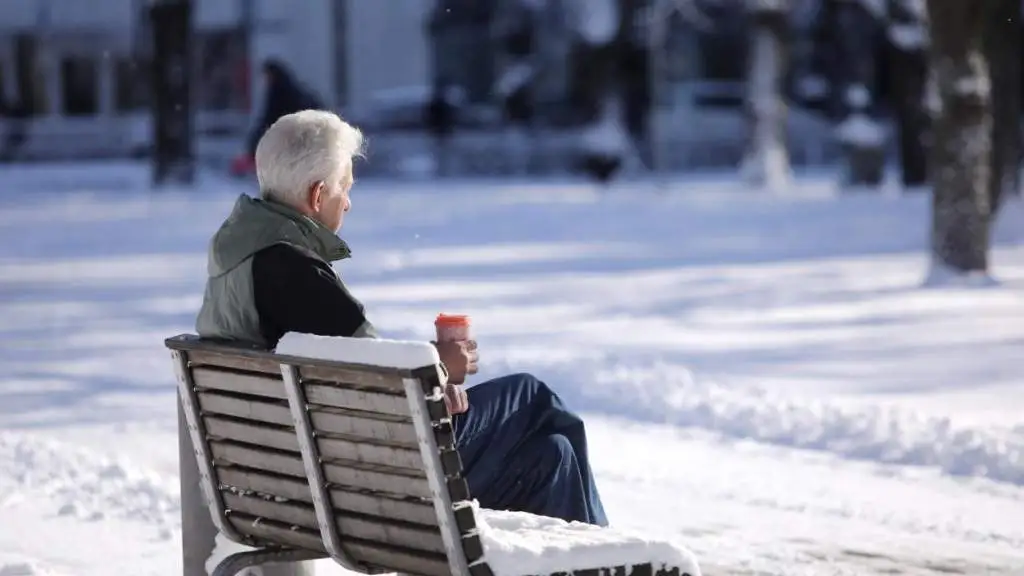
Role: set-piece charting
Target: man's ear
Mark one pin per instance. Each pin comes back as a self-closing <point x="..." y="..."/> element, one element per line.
<point x="316" y="195"/>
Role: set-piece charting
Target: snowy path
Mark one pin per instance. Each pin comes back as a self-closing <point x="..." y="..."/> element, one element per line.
<point x="75" y="511"/>
<point x="709" y="334"/>
<point x="742" y="507"/>
<point x="747" y="508"/>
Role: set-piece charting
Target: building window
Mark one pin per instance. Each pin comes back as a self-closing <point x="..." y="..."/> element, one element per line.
<point x="79" y="86"/>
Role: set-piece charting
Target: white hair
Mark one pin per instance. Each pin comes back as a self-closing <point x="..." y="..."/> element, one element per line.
<point x="303" y="148"/>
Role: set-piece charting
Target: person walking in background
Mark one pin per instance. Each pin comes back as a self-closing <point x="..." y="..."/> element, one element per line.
<point x="441" y="118"/>
<point x="635" y="70"/>
<point x="283" y="95"/>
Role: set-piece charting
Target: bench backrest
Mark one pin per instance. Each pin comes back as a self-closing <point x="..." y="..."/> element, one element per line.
<point x="356" y="461"/>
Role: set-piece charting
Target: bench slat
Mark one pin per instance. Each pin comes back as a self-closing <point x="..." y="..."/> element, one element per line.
<point x="414" y="511"/>
<point x="213" y="353"/>
<point x="338" y="421"/>
<point x="250" y="409"/>
<point x="251" y="457"/>
<point x="233" y="430"/>
<point x="389" y="558"/>
<point x="399" y="561"/>
<point x="264" y="483"/>
<point x="383" y="379"/>
<point x="357" y="449"/>
<point x="265" y="365"/>
<point x="371" y="529"/>
<point x="329" y="420"/>
<point x="398" y="481"/>
<point x="256" y="384"/>
<point x="294" y="514"/>
<point x="361" y="451"/>
<point x="376" y="480"/>
<point x="363" y="502"/>
<point x="331" y="395"/>
<point x="270" y="532"/>
<point x="385" y="401"/>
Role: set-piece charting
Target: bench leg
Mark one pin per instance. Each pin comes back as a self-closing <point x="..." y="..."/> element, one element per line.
<point x="239" y="561"/>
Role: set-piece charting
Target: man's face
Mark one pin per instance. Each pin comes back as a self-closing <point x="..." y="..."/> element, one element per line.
<point x="330" y="201"/>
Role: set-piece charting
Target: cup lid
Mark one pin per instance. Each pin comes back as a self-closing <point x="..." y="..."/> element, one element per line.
<point x="452" y="320"/>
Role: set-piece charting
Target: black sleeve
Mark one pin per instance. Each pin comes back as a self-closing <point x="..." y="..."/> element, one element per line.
<point x="297" y="292"/>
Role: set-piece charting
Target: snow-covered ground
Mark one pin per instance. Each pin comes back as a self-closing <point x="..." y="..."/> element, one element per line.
<point x="763" y="375"/>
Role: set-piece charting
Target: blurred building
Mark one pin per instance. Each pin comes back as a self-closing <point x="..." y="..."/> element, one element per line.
<point x="78" y="69"/>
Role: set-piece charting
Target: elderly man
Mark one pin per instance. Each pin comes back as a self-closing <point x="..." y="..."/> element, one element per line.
<point x="270" y="273"/>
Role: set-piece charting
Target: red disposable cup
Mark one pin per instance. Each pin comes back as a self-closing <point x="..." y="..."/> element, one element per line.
<point x="452" y="327"/>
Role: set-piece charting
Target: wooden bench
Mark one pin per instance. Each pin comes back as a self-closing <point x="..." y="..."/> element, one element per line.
<point x="303" y="458"/>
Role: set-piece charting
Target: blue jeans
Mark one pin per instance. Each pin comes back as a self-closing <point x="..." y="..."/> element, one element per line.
<point x="523" y="450"/>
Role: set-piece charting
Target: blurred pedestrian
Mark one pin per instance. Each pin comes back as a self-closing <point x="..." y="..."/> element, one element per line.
<point x="441" y="119"/>
<point x="283" y="95"/>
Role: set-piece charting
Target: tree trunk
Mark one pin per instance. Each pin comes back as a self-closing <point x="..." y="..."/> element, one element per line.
<point x="1003" y="45"/>
<point x="861" y="134"/>
<point x="635" y="76"/>
<point x="766" y="161"/>
<point x="961" y="150"/>
<point x="603" y="139"/>
<point x="906" y="48"/>
<point x="173" y="155"/>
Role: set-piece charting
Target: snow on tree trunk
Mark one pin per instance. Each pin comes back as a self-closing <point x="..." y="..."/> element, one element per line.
<point x="961" y="150"/>
<point x="861" y="134"/>
<point x="1003" y="47"/>
<point x="908" y="73"/>
<point x="603" y="140"/>
<point x="766" y="160"/>
<point x="606" y="136"/>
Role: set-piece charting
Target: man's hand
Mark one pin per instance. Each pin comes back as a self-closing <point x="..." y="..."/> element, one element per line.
<point x="459" y="358"/>
<point x="456" y="399"/>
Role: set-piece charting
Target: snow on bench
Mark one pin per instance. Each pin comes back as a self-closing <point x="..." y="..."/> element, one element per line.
<point x="343" y="448"/>
<point x="402" y="354"/>
<point x="523" y="543"/>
